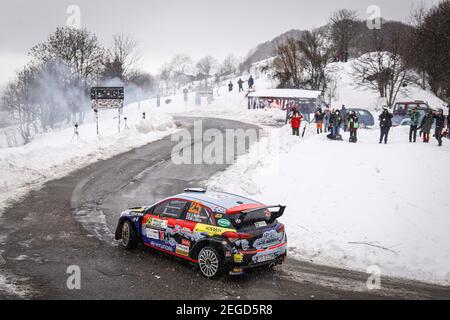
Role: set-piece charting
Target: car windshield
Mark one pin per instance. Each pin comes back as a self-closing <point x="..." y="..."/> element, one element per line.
<point x="363" y="113"/>
<point x="400" y="108"/>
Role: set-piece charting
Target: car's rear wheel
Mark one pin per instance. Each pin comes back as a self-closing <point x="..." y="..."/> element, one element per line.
<point x="210" y="262"/>
<point x="129" y="236"/>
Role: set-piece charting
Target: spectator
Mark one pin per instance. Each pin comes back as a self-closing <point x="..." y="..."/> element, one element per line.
<point x="241" y="85"/>
<point x="385" y="125"/>
<point x="326" y="118"/>
<point x="296" y="121"/>
<point x="425" y="126"/>
<point x="251" y="83"/>
<point x="230" y="86"/>
<point x="344" y="117"/>
<point x="336" y="122"/>
<point x="440" y="125"/>
<point x="414" y="115"/>
<point x="319" y="120"/>
<point x="353" y="126"/>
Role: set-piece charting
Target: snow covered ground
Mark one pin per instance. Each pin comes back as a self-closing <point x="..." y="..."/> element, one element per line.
<point x="349" y="205"/>
<point x="356" y="205"/>
<point x="56" y="154"/>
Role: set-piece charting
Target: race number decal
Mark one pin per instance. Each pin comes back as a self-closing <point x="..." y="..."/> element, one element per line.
<point x="196" y="208"/>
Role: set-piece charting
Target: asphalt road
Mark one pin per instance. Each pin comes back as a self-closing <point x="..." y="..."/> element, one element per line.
<point x="71" y="222"/>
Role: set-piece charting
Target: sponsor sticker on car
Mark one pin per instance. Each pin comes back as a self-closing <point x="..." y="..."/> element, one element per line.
<point x="265" y="258"/>
<point x="261" y="224"/>
<point x="152" y="234"/>
<point x="224" y="223"/>
<point x="182" y="250"/>
<point x="156" y="223"/>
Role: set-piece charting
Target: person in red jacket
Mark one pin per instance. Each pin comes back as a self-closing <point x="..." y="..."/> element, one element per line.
<point x="296" y="122"/>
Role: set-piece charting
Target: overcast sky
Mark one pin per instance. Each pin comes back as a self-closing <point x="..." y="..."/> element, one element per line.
<point x="167" y="27"/>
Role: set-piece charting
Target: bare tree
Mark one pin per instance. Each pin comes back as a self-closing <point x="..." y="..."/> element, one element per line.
<point x="125" y="52"/>
<point x="166" y="75"/>
<point x="288" y="64"/>
<point x="415" y="50"/>
<point x="431" y="45"/>
<point x="206" y="66"/>
<point x="182" y="66"/>
<point x="143" y="80"/>
<point x="229" y="66"/>
<point x="383" y="69"/>
<point x="181" y="63"/>
<point x="77" y="48"/>
<point x="315" y="54"/>
<point x="17" y="100"/>
<point x="343" y="29"/>
<point x="121" y="61"/>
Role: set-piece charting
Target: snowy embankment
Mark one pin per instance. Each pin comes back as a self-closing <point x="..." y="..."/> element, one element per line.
<point x="56" y="154"/>
<point x="355" y="205"/>
<point x="347" y="93"/>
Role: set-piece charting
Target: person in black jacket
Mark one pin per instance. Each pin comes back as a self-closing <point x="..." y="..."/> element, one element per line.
<point x="241" y="85"/>
<point x="385" y="125"/>
<point x="319" y="120"/>
<point x="251" y="83"/>
<point x="440" y="125"/>
<point x="336" y="121"/>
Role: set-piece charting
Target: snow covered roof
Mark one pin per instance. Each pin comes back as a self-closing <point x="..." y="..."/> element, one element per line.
<point x="285" y="93"/>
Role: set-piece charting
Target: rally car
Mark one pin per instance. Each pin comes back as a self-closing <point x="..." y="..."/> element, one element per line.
<point x="219" y="232"/>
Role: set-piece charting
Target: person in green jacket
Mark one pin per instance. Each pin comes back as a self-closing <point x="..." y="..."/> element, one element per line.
<point x="414" y="115"/>
<point x="425" y="126"/>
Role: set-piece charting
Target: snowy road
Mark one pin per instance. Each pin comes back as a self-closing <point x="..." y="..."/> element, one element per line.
<point x="71" y="220"/>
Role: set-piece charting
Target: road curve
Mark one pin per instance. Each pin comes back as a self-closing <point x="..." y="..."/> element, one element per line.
<point x="70" y="221"/>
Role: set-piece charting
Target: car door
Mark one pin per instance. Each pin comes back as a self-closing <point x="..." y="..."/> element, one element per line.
<point x="160" y="227"/>
<point x="196" y="215"/>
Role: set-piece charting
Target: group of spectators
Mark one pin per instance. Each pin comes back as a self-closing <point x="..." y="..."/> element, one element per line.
<point x="332" y="121"/>
<point x="250" y="83"/>
<point x="423" y="126"/>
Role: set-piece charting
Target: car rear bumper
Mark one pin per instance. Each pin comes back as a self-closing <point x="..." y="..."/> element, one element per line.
<point x="244" y="261"/>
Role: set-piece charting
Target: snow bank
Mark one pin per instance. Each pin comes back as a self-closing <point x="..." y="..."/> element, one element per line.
<point x="356" y="205"/>
<point x="56" y="154"/>
<point x="352" y="96"/>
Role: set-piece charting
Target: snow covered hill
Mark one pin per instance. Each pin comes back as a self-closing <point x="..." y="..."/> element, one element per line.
<point x="349" y="94"/>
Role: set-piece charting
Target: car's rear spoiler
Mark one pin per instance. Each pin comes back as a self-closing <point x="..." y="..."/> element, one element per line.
<point x="275" y="215"/>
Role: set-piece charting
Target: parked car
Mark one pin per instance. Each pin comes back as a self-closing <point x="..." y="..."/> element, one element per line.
<point x="366" y="118"/>
<point x="401" y="110"/>
<point x="219" y="232"/>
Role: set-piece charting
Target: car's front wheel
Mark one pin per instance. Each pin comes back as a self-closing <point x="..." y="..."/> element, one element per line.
<point x="129" y="236"/>
<point x="210" y="262"/>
